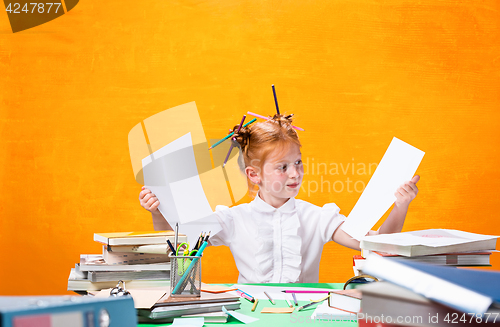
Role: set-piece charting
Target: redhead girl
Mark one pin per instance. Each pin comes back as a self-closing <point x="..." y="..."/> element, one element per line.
<point x="277" y="238"/>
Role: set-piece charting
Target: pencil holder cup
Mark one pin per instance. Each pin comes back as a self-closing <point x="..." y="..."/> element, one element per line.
<point x="185" y="276"/>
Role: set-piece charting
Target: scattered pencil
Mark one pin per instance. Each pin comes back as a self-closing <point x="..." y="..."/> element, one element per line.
<point x="307" y="305"/>
<point x="245" y="295"/>
<point x="269" y="297"/>
<point x="288" y="302"/>
<point x="313" y="303"/>
<point x="306" y="291"/>
<point x="295" y="299"/>
<point x="255" y="304"/>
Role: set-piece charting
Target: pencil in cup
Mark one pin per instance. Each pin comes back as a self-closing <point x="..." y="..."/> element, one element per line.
<point x="189" y="282"/>
<point x="184" y="282"/>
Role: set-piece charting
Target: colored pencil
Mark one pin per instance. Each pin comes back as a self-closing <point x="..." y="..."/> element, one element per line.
<point x="171" y="247"/>
<point x="307" y="305"/>
<point x="276" y="100"/>
<point x="288" y="302"/>
<point x="228" y="136"/>
<point x="207" y="237"/>
<point x="305" y="291"/>
<point x="245" y="295"/>
<point x="266" y="118"/>
<point x="269" y="297"/>
<point x="232" y="144"/>
<point x="255" y="305"/>
<point x="187" y="273"/>
<point x="313" y="303"/>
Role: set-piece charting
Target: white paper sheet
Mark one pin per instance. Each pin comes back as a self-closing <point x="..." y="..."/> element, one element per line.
<point x="399" y="164"/>
<point x="157" y="177"/>
<point x="180" y="143"/>
<point x="324" y="312"/>
<point x="189" y="322"/>
<point x="171" y="174"/>
<point x="241" y="317"/>
<point x="186" y="193"/>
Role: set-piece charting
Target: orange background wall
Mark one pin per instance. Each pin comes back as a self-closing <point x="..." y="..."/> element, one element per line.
<point x="354" y="73"/>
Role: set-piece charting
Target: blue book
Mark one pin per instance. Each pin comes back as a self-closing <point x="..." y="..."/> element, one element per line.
<point x="467" y="290"/>
<point x="63" y="311"/>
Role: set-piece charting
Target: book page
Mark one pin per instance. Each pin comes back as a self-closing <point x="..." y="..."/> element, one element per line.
<point x="428" y="237"/>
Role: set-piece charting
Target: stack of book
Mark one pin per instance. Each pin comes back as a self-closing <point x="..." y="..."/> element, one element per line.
<point x="420" y="294"/>
<point x="141" y="259"/>
<point x="435" y="246"/>
<point x="156" y="305"/>
<point x="209" y="306"/>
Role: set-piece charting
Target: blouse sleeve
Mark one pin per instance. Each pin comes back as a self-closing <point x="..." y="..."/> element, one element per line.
<point x="330" y="220"/>
<point x="225" y="217"/>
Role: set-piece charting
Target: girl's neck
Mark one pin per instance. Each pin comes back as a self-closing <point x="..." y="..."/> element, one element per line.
<point x="274" y="202"/>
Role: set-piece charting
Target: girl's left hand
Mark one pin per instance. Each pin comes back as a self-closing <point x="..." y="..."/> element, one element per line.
<point x="407" y="192"/>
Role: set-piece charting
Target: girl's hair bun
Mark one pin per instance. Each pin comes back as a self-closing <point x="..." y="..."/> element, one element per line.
<point x="242" y="137"/>
<point x="280" y="119"/>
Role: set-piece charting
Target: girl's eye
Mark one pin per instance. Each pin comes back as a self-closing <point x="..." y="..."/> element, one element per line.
<point x="298" y="162"/>
<point x="282" y="168"/>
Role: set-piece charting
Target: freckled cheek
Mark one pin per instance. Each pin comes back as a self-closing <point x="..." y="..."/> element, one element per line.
<point x="275" y="178"/>
<point x="280" y="178"/>
<point x="280" y="181"/>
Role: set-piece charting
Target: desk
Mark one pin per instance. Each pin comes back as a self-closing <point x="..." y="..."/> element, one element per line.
<point x="301" y="318"/>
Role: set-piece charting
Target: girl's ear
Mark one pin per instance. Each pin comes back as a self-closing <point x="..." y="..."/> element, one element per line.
<point x="252" y="174"/>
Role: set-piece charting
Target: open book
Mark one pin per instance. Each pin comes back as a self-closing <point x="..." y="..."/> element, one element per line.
<point x="430" y="241"/>
<point x="467" y="290"/>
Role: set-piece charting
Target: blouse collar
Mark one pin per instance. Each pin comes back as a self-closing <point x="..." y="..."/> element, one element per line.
<point x="264" y="207"/>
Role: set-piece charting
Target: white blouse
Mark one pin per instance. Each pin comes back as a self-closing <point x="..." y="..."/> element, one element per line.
<point x="281" y="245"/>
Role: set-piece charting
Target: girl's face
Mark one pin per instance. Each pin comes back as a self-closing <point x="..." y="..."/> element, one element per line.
<point x="281" y="177"/>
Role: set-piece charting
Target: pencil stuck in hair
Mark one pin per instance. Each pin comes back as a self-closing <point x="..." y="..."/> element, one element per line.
<point x="276" y="100"/>
<point x="231" y="134"/>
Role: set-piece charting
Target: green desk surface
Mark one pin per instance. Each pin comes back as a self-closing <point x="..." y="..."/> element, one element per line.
<point x="298" y="318"/>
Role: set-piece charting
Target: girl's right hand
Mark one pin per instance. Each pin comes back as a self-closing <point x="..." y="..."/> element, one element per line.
<point x="148" y="200"/>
